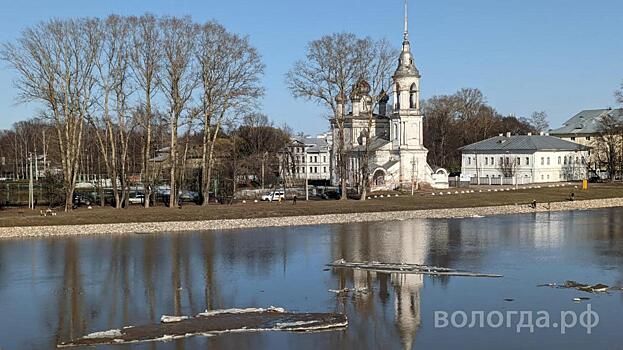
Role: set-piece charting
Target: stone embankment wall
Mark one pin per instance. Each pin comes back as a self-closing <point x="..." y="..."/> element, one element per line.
<point x="188" y="226"/>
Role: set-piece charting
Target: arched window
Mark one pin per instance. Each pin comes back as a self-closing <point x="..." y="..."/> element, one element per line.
<point x="413" y="96"/>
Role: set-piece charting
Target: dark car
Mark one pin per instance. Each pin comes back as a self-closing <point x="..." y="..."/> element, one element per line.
<point x="595" y="179"/>
<point x="81" y="199"/>
<point x="330" y="195"/>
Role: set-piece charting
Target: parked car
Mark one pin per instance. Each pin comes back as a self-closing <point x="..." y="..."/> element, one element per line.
<point x="81" y="199"/>
<point x="330" y="195"/>
<point x="136" y="198"/>
<point x="273" y="196"/>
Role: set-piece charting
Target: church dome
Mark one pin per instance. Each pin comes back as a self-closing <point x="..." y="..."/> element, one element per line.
<point x="360" y="89"/>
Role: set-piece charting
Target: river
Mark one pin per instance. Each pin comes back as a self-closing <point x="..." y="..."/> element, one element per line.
<point x="53" y="290"/>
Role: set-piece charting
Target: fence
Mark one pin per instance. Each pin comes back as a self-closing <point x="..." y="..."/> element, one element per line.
<point x="16" y="193"/>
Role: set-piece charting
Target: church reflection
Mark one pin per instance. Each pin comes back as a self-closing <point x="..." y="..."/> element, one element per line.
<point x="403" y="241"/>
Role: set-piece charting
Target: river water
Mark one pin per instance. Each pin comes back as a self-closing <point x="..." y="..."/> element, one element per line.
<point x="53" y="290"/>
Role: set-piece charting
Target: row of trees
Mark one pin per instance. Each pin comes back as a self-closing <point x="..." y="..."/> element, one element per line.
<point x="453" y="121"/>
<point x="111" y="77"/>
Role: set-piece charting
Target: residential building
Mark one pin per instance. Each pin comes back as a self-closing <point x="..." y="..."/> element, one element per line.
<point x="311" y="159"/>
<point x="584" y="128"/>
<point x="523" y="159"/>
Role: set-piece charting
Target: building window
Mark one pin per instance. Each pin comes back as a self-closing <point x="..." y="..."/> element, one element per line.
<point x="491" y="160"/>
<point x="518" y="161"/>
<point x="565" y="160"/>
<point x="315" y="159"/>
<point x="527" y="160"/>
<point x="324" y="159"/>
<point x="559" y="160"/>
<point x="324" y="170"/>
<point x="469" y="160"/>
<point x="486" y="161"/>
<point x="573" y="138"/>
<point x="548" y="161"/>
<point x="542" y="161"/>
<point x="311" y="159"/>
<point x="501" y="160"/>
<point x="316" y="169"/>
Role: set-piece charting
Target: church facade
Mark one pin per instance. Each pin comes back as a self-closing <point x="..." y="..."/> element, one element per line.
<point x="397" y="156"/>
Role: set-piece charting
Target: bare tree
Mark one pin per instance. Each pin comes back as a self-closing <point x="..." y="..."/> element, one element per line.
<point x="608" y="145"/>
<point x="508" y="166"/>
<point x="230" y="71"/>
<point x="179" y="80"/>
<point x="618" y="94"/>
<point x="146" y="63"/>
<point x="539" y="122"/>
<point x="55" y="62"/>
<point x="331" y="67"/>
<point x="378" y="62"/>
<point x="114" y="125"/>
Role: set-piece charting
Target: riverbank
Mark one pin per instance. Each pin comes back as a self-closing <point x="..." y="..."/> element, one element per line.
<point x="228" y="224"/>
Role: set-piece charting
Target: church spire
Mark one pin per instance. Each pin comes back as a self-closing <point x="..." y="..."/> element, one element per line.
<point x="406" y="34"/>
<point x="406" y="66"/>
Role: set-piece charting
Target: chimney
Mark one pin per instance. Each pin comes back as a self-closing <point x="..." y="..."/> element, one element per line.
<point x="529" y="134"/>
<point x="508" y="134"/>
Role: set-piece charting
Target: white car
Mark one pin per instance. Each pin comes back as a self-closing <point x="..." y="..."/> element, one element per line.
<point x="136" y="198"/>
<point x="273" y="196"/>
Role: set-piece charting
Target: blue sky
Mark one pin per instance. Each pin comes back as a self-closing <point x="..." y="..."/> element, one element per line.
<point x="525" y="55"/>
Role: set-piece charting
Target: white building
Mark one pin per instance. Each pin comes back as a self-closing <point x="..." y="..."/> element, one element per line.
<point x="397" y="153"/>
<point x="522" y="159"/>
<point x="312" y="159"/>
<point x="584" y="128"/>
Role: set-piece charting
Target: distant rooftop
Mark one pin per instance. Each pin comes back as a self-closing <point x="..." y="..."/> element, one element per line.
<point x="314" y="144"/>
<point x="524" y="143"/>
<point x="587" y="122"/>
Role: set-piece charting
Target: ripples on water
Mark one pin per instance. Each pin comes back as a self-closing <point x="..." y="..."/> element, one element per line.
<point x="52" y="290"/>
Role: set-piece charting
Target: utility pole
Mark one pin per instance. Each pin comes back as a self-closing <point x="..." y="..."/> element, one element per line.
<point x="306" y="171"/>
<point x="36" y="166"/>
<point x="31" y="197"/>
<point x="263" y="167"/>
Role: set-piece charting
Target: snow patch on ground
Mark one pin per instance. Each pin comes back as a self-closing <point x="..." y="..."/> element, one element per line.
<point x="105" y="334"/>
<point x="170" y="319"/>
<point x="294" y="324"/>
<point x="240" y="311"/>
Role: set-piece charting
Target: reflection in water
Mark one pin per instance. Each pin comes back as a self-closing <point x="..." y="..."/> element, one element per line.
<point x="52" y="290"/>
<point x="400" y="242"/>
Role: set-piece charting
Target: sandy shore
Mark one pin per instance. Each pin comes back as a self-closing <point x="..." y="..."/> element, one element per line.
<point x="187" y="226"/>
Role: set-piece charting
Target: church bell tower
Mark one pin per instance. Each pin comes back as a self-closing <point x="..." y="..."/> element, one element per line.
<point x="407" y="118"/>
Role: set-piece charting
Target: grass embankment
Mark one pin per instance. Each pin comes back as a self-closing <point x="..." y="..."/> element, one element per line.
<point x="420" y="201"/>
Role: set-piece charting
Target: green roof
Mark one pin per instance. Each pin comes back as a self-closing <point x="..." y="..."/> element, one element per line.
<point x="523" y="143"/>
<point x="587" y="122"/>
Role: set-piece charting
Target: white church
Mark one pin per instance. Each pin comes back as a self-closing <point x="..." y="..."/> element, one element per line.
<point x="397" y="152"/>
